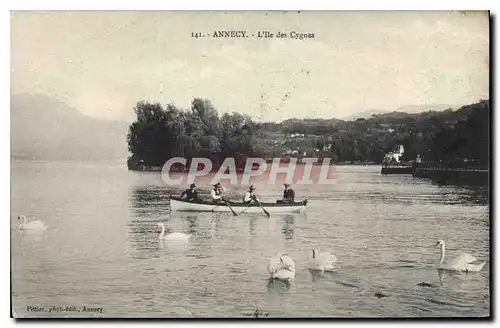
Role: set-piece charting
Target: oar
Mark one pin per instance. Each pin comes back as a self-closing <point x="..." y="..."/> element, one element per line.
<point x="267" y="213"/>
<point x="227" y="203"/>
<point x="246" y="208"/>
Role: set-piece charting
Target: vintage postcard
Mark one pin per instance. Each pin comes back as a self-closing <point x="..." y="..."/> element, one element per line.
<point x="250" y="164"/>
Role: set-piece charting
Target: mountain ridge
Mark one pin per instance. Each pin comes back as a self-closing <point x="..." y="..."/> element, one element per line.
<point x="46" y="128"/>
<point x="409" y="109"/>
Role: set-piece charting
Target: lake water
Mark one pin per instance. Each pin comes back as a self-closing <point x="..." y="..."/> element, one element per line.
<point x="101" y="249"/>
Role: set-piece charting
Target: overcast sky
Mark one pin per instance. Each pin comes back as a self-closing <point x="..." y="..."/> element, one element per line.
<point x="102" y="63"/>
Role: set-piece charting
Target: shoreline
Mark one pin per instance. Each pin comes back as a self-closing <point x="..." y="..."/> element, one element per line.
<point x="241" y="170"/>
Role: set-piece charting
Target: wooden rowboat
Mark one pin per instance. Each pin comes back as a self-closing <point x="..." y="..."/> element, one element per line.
<point x="177" y="204"/>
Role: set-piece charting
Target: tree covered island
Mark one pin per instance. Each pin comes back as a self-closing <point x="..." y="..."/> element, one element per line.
<point x="449" y="136"/>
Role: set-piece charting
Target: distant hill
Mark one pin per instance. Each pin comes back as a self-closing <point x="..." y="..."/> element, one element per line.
<point x="365" y="114"/>
<point x="415" y="109"/>
<point x="44" y="128"/>
<point x="311" y="120"/>
<point x="410" y="109"/>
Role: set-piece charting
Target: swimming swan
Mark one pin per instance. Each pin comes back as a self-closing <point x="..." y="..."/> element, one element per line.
<point x="462" y="263"/>
<point x="281" y="267"/>
<point x="33" y="225"/>
<point x="322" y="261"/>
<point x="172" y="236"/>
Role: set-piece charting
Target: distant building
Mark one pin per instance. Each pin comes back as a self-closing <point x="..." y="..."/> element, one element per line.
<point x="395" y="155"/>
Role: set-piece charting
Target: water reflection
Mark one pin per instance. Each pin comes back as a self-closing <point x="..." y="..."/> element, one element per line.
<point x="440" y="275"/>
<point x="275" y="286"/>
<point x="271" y="225"/>
<point x="464" y="195"/>
<point x="173" y="246"/>
<point x="33" y="237"/>
<point x="456" y="275"/>
<point x="251" y="224"/>
<point x="317" y="275"/>
<point x="144" y="239"/>
<point x="288" y="227"/>
<point x="149" y="205"/>
<point x="477" y="195"/>
<point x="192" y="224"/>
<point x="419" y="192"/>
<point x="214" y="226"/>
<point x="146" y="200"/>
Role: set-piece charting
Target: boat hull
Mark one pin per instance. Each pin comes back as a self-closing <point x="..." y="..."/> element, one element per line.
<point x="187" y="206"/>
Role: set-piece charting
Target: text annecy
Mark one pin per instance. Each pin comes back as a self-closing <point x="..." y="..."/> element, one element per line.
<point x="229" y="34"/>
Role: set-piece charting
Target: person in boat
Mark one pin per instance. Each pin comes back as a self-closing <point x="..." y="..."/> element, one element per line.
<point x="191" y="194"/>
<point x="217" y="192"/>
<point x="250" y="196"/>
<point x="288" y="195"/>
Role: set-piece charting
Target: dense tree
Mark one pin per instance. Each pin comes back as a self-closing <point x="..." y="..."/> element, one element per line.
<point x="468" y="139"/>
<point x="159" y="134"/>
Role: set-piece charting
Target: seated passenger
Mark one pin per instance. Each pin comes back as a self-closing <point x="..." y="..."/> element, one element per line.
<point x="216" y="193"/>
<point x="191" y="193"/>
<point x="249" y="196"/>
<point x="288" y="195"/>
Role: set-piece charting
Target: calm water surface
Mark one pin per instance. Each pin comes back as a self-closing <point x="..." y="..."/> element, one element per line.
<point x="102" y="248"/>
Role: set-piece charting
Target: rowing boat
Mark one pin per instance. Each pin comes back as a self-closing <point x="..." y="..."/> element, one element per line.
<point x="177" y="204"/>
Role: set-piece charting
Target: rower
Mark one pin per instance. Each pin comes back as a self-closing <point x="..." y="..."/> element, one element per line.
<point x="249" y="196"/>
<point x="190" y="193"/>
<point x="288" y="194"/>
<point x="216" y="193"/>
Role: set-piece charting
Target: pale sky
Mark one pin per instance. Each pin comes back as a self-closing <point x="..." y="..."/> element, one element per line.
<point x="102" y="63"/>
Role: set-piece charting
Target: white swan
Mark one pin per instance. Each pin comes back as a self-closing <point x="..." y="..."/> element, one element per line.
<point x="281" y="267"/>
<point x="462" y="263"/>
<point x="33" y="225"/>
<point x="172" y="236"/>
<point x="322" y="261"/>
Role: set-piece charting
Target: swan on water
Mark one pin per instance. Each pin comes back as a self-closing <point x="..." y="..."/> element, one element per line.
<point x="461" y="263"/>
<point x="33" y="225"/>
<point x="322" y="261"/>
<point x="281" y="267"/>
<point x="172" y="236"/>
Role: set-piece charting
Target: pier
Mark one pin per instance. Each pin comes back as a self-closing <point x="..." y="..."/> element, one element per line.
<point x="398" y="168"/>
<point x="471" y="175"/>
